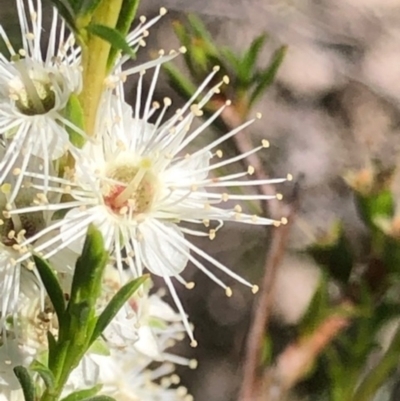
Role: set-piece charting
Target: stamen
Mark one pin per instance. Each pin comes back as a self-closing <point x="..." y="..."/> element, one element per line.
<point x="134" y="184"/>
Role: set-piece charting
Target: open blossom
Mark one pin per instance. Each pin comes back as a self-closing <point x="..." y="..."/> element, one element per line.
<point x="139" y="335"/>
<point x="34" y="91"/>
<point x="139" y="186"/>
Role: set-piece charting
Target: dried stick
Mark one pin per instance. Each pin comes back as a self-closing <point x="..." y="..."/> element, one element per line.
<point x="262" y="307"/>
<point x="261" y="313"/>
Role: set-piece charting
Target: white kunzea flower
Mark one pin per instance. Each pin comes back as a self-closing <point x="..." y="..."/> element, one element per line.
<point x="126" y="375"/>
<point x="140" y="334"/>
<point x="12" y="354"/>
<point x="15" y="277"/>
<point x="138" y="184"/>
<point x="34" y="90"/>
<point x="23" y="339"/>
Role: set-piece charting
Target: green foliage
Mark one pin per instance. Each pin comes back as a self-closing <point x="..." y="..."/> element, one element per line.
<point x="79" y="324"/>
<point x="74" y="114"/>
<point x="126" y="16"/>
<point x="112" y="36"/>
<point x="368" y="290"/>
<point x="333" y="252"/>
<point x="25" y="379"/>
<point x="83" y="394"/>
<point x="44" y="372"/>
<point x="66" y="11"/>
<point x="52" y="286"/>
<point x="116" y="303"/>
<point x="249" y="81"/>
<point x="85" y="7"/>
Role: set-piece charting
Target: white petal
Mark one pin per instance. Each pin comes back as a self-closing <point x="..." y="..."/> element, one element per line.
<point x="159" y="309"/>
<point x="158" y="254"/>
<point x="186" y="169"/>
<point x="147" y="343"/>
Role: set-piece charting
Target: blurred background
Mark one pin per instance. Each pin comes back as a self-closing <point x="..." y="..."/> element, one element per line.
<point x="332" y="109"/>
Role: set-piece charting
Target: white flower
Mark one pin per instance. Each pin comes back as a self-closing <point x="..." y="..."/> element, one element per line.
<point x="138" y="336"/>
<point x="137" y="186"/>
<point x="23" y="340"/>
<point x="12" y="354"/>
<point x="10" y="284"/>
<point x="126" y="376"/>
<point x="34" y="90"/>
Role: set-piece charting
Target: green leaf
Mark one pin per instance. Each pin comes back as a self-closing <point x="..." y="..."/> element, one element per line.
<point x="83" y="394"/>
<point x="88" y="7"/>
<point x="52" y="287"/>
<point x="116" y="303"/>
<point x="250" y="58"/>
<point x="200" y="30"/>
<point x="195" y="57"/>
<point x="86" y="283"/>
<point x="112" y="36"/>
<point x="375" y="377"/>
<point x="25" y="379"/>
<point x="100" y="398"/>
<point x="267" y="77"/>
<point x="318" y="309"/>
<point x="125" y="19"/>
<point x="75" y="115"/>
<point x="52" y="344"/>
<point x="231" y="58"/>
<point x="375" y="205"/>
<point x="44" y="372"/>
<point x="57" y="362"/>
<point x="66" y="12"/>
<point x="334" y="253"/>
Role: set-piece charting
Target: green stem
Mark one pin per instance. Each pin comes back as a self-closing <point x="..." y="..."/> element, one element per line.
<point x="69" y="359"/>
<point x="95" y="52"/>
<point x="377" y="376"/>
<point x="58" y="370"/>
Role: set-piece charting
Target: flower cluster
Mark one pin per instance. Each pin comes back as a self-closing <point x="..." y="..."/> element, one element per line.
<point x="140" y="180"/>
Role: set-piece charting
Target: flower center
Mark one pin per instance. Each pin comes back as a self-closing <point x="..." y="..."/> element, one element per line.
<point x="130" y="188"/>
<point x="35" y="96"/>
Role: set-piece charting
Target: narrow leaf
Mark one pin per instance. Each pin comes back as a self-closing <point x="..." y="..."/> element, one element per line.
<point x="112" y="36"/>
<point x="52" y="344"/>
<point x="201" y="31"/>
<point x="231" y="58"/>
<point x="86" y="283"/>
<point x="44" y="372"/>
<point x="83" y="394"/>
<point x="64" y="9"/>
<point x="268" y="76"/>
<point x="125" y="19"/>
<point x="25" y="379"/>
<point x="116" y="303"/>
<point x="100" y="398"/>
<point x="75" y="115"/>
<point x="88" y="7"/>
<point x="74" y="4"/>
<point x="59" y="356"/>
<point x="52" y="286"/>
<point x="250" y="58"/>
